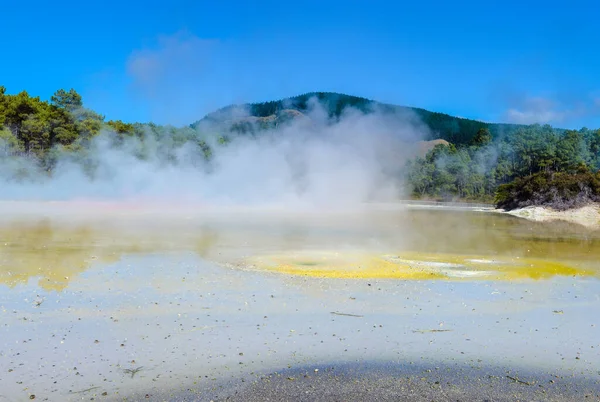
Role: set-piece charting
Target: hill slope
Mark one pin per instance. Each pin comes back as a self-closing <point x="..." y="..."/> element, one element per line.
<point x="255" y="116"/>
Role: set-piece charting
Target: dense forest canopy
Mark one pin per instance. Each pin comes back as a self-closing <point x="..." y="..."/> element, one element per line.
<point x="480" y="161"/>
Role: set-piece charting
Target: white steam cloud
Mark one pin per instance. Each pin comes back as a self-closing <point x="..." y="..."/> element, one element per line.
<point x="355" y="159"/>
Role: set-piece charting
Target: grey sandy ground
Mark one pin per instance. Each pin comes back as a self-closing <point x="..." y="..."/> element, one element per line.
<point x="393" y="382"/>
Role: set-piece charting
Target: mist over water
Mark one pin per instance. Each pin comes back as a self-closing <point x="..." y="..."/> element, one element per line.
<point x="311" y="160"/>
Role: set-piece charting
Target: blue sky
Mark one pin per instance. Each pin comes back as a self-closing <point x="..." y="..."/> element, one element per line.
<point x="173" y="61"/>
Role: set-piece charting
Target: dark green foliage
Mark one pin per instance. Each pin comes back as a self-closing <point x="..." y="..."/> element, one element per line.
<point x="38" y="126"/>
<point x="69" y="101"/>
<point x="558" y="190"/>
<point x="476" y="171"/>
<point x="482" y="138"/>
<point x="333" y="103"/>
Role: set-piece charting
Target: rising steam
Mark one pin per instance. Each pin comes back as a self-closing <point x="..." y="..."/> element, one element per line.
<point x="315" y="159"/>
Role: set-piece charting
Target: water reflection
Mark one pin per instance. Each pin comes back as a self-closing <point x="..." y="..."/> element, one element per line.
<point x="56" y="250"/>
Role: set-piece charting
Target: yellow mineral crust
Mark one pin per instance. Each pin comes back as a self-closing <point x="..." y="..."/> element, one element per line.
<point x="410" y="266"/>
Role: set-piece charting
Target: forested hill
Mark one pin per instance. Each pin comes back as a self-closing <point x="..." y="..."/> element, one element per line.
<point x="453" y="129"/>
<point x="516" y="165"/>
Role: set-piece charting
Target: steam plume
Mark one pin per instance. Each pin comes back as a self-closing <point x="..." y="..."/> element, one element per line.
<point x="352" y="159"/>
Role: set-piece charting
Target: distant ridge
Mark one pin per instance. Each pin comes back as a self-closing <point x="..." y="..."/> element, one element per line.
<point x="256" y="116"/>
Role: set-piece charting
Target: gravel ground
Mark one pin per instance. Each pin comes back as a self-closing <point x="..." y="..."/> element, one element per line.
<point x="393" y="382"/>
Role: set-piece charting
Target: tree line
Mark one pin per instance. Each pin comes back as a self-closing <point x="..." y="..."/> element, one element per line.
<point x="481" y="161"/>
<point x="476" y="170"/>
<point x="41" y="132"/>
<point x="31" y="127"/>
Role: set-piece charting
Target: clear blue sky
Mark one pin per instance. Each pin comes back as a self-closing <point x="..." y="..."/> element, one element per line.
<point x="173" y="61"/>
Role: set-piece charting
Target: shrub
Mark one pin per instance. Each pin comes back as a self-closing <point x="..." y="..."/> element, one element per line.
<point x="557" y="190"/>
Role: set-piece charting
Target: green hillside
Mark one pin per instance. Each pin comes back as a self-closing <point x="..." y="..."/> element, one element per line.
<point x="267" y="114"/>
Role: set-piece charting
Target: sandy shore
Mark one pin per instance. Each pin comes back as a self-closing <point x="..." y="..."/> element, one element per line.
<point x="392" y="381"/>
<point x="588" y="216"/>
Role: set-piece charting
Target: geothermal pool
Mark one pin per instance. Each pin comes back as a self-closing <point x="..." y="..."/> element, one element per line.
<point x="119" y="301"/>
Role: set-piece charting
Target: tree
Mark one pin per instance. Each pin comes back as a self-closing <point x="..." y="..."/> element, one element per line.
<point x="457" y="165"/>
<point x="420" y="176"/>
<point x="63" y="130"/>
<point x="482" y="138"/>
<point x="594" y="148"/>
<point x="69" y="101"/>
<point x="535" y="149"/>
<point x="9" y="144"/>
<point x="25" y="117"/>
<point x="571" y="151"/>
<point x="35" y="134"/>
